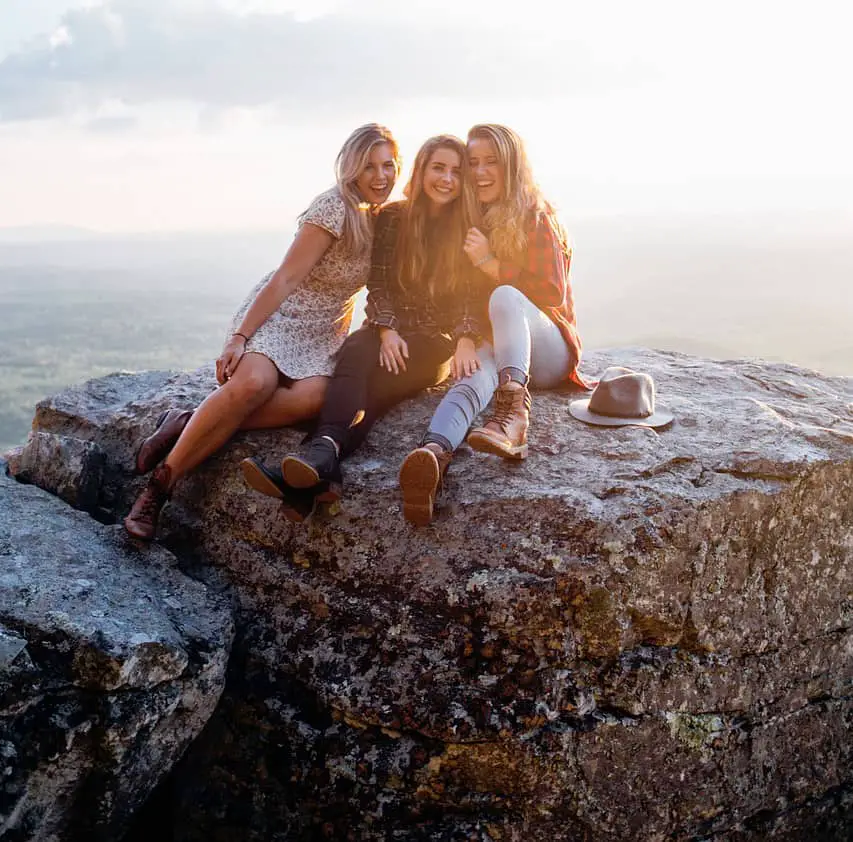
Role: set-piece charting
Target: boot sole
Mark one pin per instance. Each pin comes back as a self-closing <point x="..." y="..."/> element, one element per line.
<point x="140" y="469"/>
<point x="257" y="479"/>
<point x="419" y="480"/>
<point x="485" y="444"/>
<point x="298" y="474"/>
<point x="139" y="536"/>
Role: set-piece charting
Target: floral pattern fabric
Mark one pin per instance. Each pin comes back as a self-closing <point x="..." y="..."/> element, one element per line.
<point x="303" y="335"/>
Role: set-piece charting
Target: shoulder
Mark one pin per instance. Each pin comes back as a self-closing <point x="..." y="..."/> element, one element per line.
<point x="393" y="210"/>
<point x="328" y="211"/>
<point x="389" y="215"/>
<point x="546" y="221"/>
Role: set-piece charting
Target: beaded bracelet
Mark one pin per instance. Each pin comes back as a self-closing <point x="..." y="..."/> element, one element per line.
<point x="486" y="259"/>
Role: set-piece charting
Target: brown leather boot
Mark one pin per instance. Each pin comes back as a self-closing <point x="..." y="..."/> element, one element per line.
<point x="156" y="447"/>
<point x="421" y="476"/>
<point x="142" y="520"/>
<point x="505" y="432"/>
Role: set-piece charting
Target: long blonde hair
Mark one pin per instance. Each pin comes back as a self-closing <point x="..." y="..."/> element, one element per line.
<point x="506" y="219"/>
<point x="412" y="258"/>
<point x="349" y="165"/>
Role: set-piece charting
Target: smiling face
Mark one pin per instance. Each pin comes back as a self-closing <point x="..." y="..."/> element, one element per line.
<point x="376" y="180"/>
<point x="487" y="172"/>
<point x="442" y="178"/>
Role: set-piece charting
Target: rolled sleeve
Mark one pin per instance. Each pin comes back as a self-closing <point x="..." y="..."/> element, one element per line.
<point x="379" y="309"/>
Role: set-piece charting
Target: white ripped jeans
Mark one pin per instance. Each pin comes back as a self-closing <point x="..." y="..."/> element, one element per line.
<point x="525" y="341"/>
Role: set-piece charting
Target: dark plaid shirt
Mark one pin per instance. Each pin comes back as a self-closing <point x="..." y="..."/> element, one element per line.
<point x="542" y="275"/>
<point x="414" y="310"/>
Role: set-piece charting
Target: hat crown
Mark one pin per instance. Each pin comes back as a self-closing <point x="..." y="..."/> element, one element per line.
<point x="623" y="393"/>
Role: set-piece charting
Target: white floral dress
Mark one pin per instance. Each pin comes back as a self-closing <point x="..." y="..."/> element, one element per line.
<point x="302" y="336"/>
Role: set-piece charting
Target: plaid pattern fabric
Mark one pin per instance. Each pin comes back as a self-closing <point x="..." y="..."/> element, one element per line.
<point x="543" y="276"/>
<point x="388" y="305"/>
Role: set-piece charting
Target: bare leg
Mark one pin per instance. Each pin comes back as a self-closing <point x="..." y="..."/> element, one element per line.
<point x="289" y="405"/>
<point x="222" y="412"/>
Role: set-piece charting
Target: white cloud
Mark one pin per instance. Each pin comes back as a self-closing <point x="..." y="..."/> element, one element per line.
<point x="225" y="56"/>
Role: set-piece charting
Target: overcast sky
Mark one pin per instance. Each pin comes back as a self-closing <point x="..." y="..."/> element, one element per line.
<point x="188" y="114"/>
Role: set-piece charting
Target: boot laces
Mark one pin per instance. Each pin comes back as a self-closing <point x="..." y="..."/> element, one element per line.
<point x="152" y="500"/>
<point x="503" y="410"/>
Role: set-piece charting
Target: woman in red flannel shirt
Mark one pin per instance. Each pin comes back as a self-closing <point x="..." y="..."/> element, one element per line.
<point x="521" y="260"/>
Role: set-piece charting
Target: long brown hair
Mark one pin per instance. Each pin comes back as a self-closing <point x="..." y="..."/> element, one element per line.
<point x="412" y="260"/>
<point x="349" y="165"/>
<point x="506" y="219"/>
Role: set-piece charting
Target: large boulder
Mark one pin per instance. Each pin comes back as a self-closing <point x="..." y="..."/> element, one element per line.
<point x="111" y="663"/>
<point x="634" y="634"/>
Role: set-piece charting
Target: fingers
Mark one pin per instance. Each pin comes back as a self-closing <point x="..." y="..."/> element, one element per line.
<point x="393" y="355"/>
<point x="454" y="369"/>
<point x="388" y="361"/>
<point x="398" y="356"/>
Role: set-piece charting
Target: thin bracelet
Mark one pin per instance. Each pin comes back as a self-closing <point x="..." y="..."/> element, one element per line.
<point x="242" y="336"/>
<point x="486" y="259"/>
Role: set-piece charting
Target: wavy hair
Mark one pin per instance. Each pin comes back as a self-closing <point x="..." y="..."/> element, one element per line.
<point x="449" y="263"/>
<point x="349" y="165"/>
<point x="506" y="219"/>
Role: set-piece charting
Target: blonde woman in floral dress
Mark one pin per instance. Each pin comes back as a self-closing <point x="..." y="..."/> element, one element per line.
<point x="278" y="357"/>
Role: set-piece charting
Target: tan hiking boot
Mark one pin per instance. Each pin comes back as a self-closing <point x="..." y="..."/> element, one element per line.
<point x="505" y="432"/>
<point x="156" y="447"/>
<point x="421" y="476"/>
<point x="145" y="512"/>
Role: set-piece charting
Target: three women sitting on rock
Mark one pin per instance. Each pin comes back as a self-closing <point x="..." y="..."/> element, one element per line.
<point x="469" y="276"/>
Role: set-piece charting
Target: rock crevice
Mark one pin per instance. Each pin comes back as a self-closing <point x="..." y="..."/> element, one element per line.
<point x="634" y="634"/>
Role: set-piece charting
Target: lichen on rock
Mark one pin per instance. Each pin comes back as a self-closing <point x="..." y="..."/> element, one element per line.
<point x="633" y="634"/>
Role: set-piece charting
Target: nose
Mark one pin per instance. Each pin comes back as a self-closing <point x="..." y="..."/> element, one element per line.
<point x="480" y="170"/>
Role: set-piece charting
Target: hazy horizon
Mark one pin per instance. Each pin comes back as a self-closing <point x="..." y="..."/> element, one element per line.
<point x="86" y="307"/>
<point x="699" y="156"/>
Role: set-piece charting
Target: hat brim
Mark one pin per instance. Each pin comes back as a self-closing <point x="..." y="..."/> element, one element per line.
<point x="580" y="410"/>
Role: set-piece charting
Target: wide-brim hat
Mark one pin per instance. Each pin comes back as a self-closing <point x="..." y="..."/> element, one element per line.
<point x="622" y="397"/>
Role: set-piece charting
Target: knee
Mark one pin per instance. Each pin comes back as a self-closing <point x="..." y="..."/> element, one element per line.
<point x="315" y="397"/>
<point x="253" y="386"/>
<point x="359" y="349"/>
<point x="506" y="300"/>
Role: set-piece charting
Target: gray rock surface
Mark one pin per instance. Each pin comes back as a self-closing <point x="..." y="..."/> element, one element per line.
<point x="634" y="634"/>
<point x="111" y="662"/>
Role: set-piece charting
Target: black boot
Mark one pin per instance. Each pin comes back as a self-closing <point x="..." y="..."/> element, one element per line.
<point x="319" y="464"/>
<point x="296" y="503"/>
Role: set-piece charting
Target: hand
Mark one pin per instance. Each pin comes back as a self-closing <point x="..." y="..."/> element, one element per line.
<point x="393" y="350"/>
<point x="477" y="246"/>
<point x="229" y="359"/>
<point x="465" y="361"/>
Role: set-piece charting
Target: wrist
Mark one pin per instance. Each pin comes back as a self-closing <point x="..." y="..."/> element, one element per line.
<point x="241" y="335"/>
<point x="484" y="260"/>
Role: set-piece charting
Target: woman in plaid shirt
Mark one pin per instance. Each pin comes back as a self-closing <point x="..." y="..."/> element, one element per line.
<point x="520" y="260"/>
<point x="419" y="326"/>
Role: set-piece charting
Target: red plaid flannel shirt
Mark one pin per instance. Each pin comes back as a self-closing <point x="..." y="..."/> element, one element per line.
<point x="543" y="276"/>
